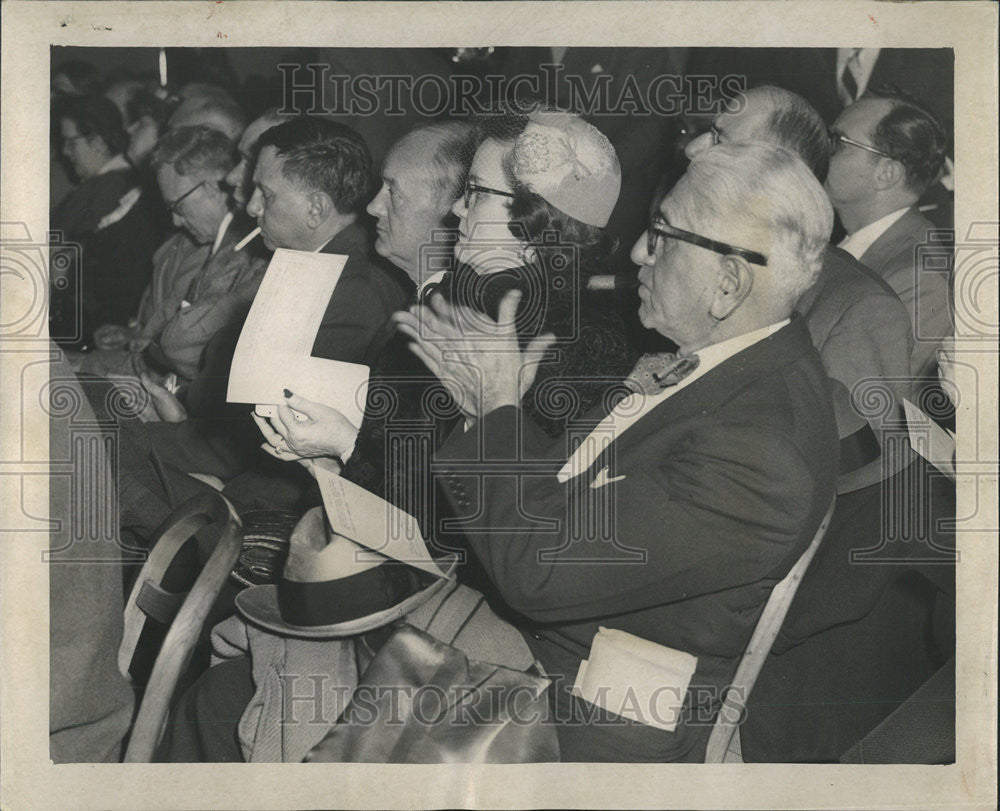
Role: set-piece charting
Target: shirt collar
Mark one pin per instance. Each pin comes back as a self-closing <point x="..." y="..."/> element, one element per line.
<point x="631" y="410"/>
<point x="117" y="163"/>
<point x="861" y="240"/>
<point x="221" y="233"/>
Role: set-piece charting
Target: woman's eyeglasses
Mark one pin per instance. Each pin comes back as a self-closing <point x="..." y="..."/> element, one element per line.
<point x="659" y="230"/>
<point x="474" y="188"/>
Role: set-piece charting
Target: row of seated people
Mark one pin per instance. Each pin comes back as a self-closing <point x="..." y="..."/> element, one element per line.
<point x="730" y="480"/>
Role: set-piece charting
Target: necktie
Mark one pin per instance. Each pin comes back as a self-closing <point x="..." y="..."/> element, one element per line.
<point x="656" y="372"/>
<point x="849" y="77"/>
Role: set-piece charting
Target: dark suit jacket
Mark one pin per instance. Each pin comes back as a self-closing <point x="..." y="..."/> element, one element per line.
<point x="902" y="256"/>
<point x="724" y="485"/>
<point x="355" y="324"/>
<point x="862" y="332"/>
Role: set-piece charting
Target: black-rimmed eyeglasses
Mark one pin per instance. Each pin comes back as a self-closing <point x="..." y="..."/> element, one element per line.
<point x="475" y="188"/>
<point x="838" y="138"/>
<point x="659" y="230"/>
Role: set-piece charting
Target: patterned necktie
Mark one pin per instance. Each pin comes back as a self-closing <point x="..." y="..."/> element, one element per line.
<point x="848" y="78"/>
<point x="657" y="371"/>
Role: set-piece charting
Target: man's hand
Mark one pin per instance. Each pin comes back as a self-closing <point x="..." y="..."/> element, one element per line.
<point x="323" y="432"/>
<point x="112" y="336"/>
<point x="166" y="404"/>
<point x="482" y="368"/>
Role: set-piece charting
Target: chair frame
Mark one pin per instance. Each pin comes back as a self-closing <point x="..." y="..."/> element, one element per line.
<point x="771" y="619"/>
<point x="187" y="612"/>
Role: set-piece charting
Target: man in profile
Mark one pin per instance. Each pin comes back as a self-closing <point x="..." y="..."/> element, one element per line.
<point x="888" y="150"/>
<point x="674" y="518"/>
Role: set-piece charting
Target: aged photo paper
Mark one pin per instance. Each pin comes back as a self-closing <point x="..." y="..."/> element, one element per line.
<point x="31" y="30"/>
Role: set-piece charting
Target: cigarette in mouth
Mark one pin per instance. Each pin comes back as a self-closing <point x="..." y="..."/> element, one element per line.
<point x="613" y="282"/>
<point x="246" y="240"/>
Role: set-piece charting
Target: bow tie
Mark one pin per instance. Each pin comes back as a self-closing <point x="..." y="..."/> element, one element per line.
<point x="658" y="371"/>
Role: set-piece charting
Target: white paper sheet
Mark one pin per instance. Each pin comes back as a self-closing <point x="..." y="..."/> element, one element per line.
<point x="635" y="678"/>
<point x="930" y="440"/>
<point x="373" y="522"/>
<point x="274" y="349"/>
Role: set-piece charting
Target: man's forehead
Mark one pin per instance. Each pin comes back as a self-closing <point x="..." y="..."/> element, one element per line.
<point x="863" y="115"/>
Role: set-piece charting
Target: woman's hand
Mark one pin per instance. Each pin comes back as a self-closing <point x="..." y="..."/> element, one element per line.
<point x="324" y="431"/>
<point x="482" y="368"/>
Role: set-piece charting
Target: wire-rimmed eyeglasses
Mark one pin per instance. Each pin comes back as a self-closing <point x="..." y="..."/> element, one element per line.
<point x="837" y="138"/>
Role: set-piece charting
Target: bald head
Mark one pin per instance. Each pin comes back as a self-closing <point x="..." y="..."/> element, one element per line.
<point x="241" y="175"/>
<point x="775" y="116"/>
<point x="423" y="174"/>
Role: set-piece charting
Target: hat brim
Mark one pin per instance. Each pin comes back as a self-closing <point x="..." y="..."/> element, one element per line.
<point x="259" y="605"/>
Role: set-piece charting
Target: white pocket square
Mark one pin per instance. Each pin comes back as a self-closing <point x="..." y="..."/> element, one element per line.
<point x="602" y="478"/>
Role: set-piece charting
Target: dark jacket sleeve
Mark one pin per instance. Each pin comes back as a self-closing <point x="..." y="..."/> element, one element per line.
<point x="681" y="522"/>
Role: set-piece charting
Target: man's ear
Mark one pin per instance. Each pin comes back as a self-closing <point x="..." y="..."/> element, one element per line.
<point x="733" y="284"/>
<point x="320" y="208"/>
<point x="889" y="173"/>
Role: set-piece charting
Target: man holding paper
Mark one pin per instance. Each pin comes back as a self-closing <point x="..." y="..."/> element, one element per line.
<point x="681" y="509"/>
<point x="310" y="181"/>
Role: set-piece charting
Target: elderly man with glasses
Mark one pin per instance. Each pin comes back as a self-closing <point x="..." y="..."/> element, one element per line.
<point x="887" y="151"/>
<point x="662" y="534"/>
<point x="200" y="285"/>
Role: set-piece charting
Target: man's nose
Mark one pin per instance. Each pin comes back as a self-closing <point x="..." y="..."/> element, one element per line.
<point x="640" y="255"/>
<point x="235" y="176"/>
<point x="698" y="145"/>
<point x="177" y="219"/>
<point x="254" y="208"/>
<point x="459" y="208"/>
<point x="377" y="206"/>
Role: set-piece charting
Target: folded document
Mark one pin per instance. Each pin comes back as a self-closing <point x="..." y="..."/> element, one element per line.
<point x="635" y="678"/>
<point x="275" y="346"/>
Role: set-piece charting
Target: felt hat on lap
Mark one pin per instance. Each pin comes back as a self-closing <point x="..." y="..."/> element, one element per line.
<point x="333" y="587"/>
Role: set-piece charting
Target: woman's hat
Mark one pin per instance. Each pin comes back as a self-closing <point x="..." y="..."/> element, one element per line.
<point x="333" y="587"/>
<point x="570" y="164"/>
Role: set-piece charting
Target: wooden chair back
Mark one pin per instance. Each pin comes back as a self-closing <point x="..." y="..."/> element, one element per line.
<point x="184" y="613"/>
<point x="771" y="619"/>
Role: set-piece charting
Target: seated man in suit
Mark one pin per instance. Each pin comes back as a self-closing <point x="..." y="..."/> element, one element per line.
<point x="862" y="332"/>
<point x="887" y="151"/>
<point x="311" y="178"/>
<point x="200" y="284"/>
<point x="857" y="322"/>
<point x="675" y="517"/>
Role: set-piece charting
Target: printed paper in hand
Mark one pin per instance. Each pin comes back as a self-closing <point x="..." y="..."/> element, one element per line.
<point x="635" y="678"/>
<point x="930" y="440"/>
<point x="373" y="522"/>
<point x="274" y="349"/>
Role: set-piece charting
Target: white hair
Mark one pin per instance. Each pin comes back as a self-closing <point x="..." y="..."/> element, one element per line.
<point x="766" y="190"/>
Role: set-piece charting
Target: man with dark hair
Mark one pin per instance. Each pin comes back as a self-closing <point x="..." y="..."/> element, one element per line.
<point x="108" y="216"/>
<point x="887" y="151"/>
<point x="311" y="179"/>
